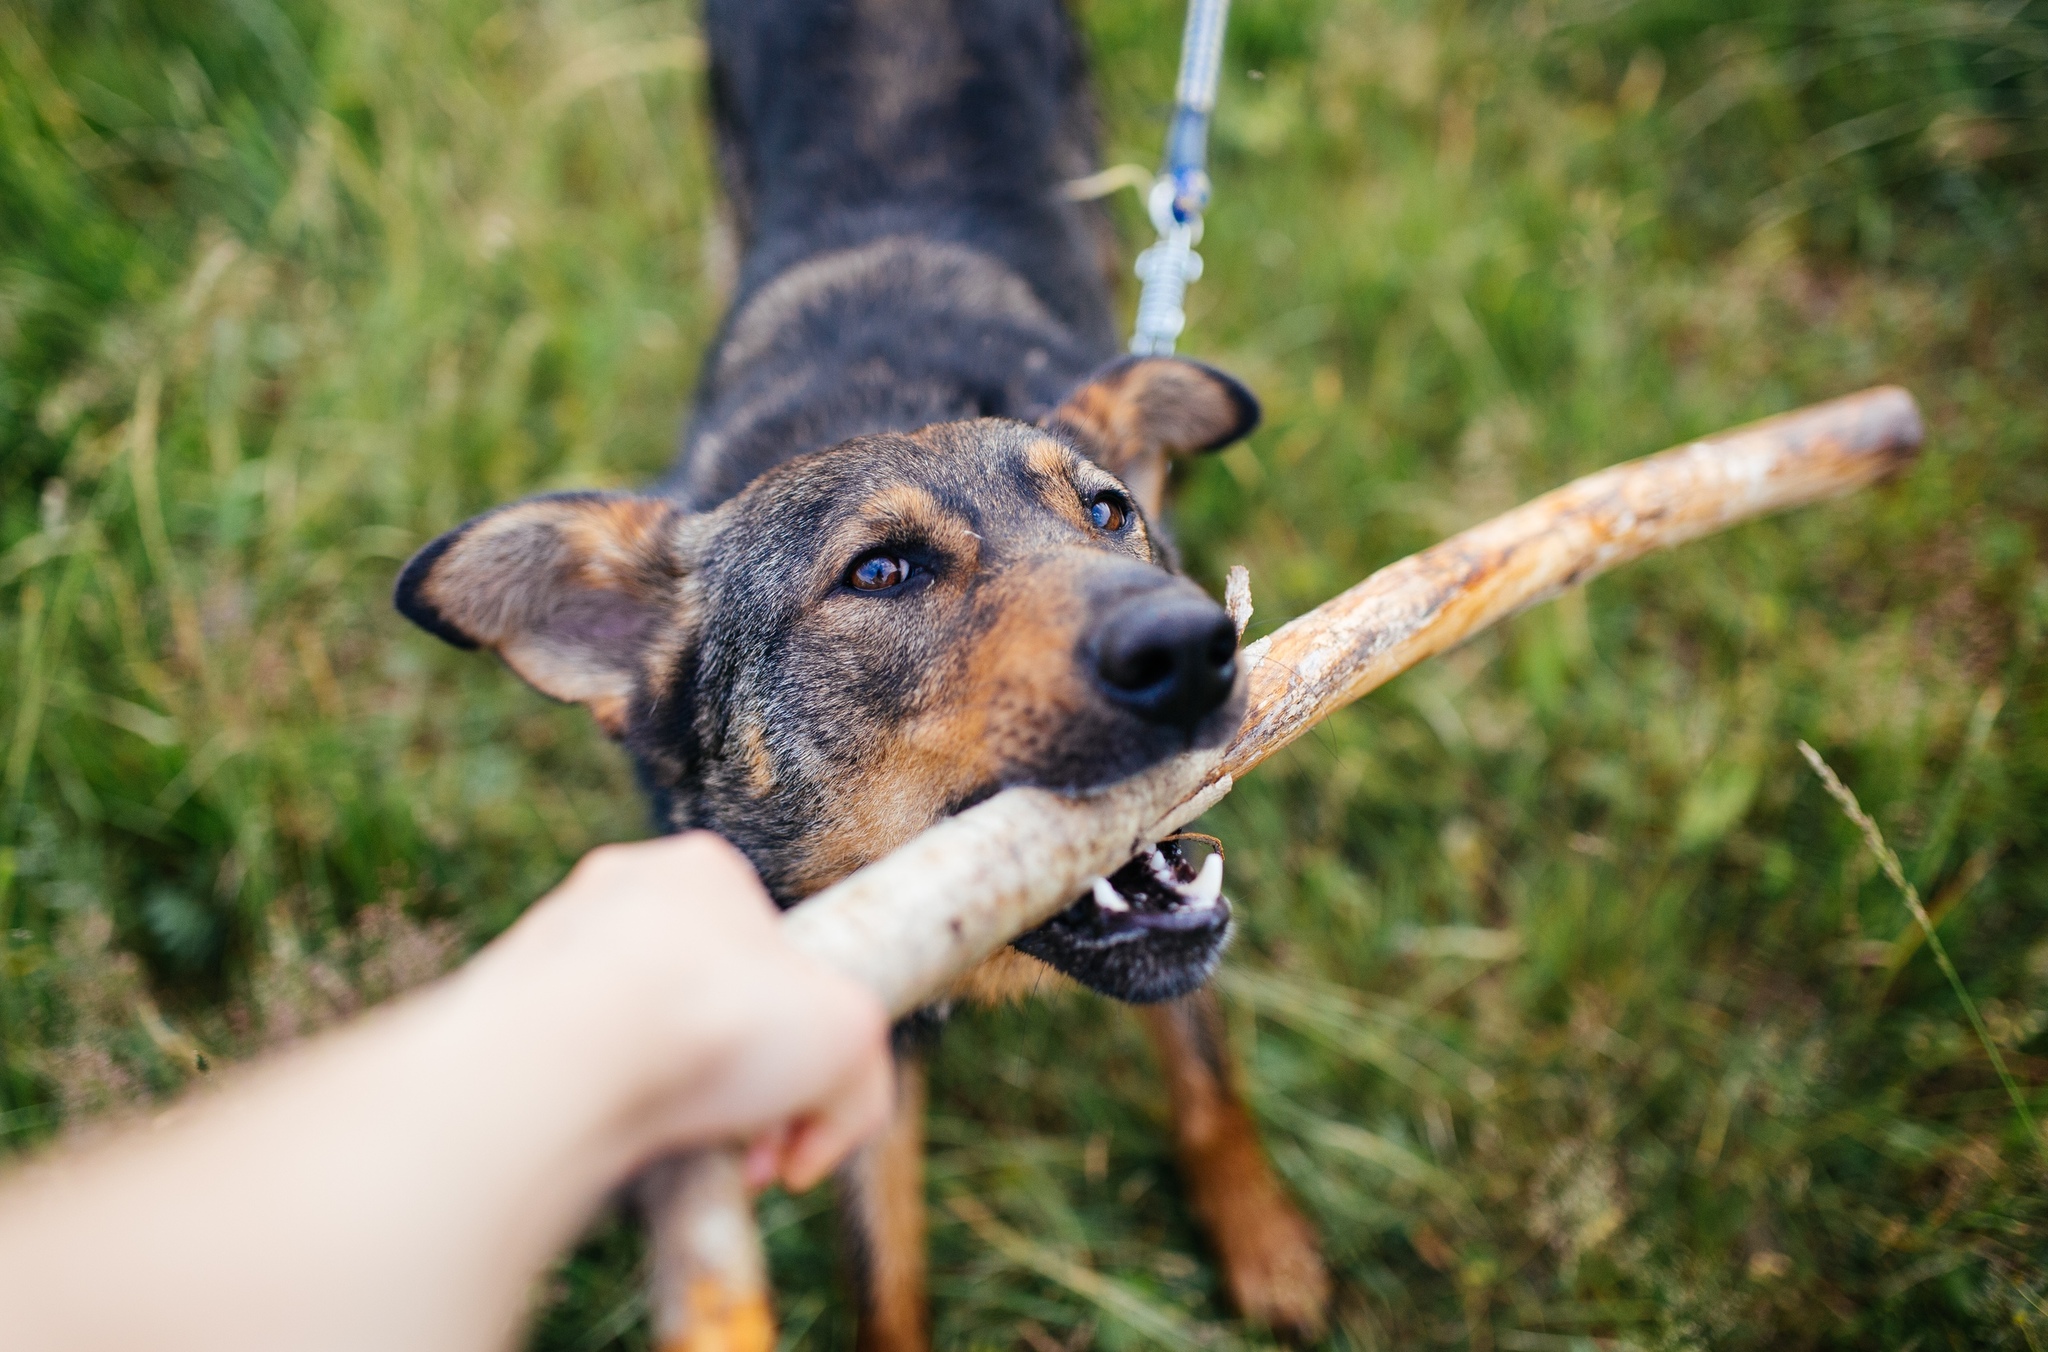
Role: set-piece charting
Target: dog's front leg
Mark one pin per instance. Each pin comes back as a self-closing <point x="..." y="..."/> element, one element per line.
<point x="1271" y="1265"/>
<point x="881" y="1193"/>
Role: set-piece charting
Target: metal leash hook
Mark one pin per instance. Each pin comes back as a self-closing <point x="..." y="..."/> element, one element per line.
<point x="1180" y="194"/>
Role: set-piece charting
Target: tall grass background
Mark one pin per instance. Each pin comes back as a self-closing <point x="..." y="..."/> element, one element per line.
<point x="1575" y="1010"/>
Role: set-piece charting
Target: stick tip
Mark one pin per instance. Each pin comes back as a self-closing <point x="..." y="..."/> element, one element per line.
<point x="724" y="1321"/>
<point x="1886" y="421"/>
<point x="1237" y="597"/>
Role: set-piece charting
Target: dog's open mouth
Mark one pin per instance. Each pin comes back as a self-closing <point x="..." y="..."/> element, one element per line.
<point x="1153" y="930"/>
<point x="1159" y="891"/>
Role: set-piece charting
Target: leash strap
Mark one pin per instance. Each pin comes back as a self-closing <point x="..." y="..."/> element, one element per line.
<point x="1180" y="193"/>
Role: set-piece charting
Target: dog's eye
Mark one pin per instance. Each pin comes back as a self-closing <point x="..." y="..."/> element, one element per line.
<point x="1109" y="510"/>
<point x="878" y="572"/>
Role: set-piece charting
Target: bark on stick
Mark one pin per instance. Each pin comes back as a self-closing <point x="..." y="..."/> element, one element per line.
<point x="912" y="923"/>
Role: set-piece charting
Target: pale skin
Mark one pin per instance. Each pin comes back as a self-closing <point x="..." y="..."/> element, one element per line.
<point x="401" y="1183"/>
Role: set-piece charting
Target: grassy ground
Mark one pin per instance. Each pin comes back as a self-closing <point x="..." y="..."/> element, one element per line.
<point x="1577" y="1012"/>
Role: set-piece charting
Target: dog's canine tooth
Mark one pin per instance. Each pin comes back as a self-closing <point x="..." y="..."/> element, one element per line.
<point x="1106" y="897"/>
<point x="1208" y="884"/>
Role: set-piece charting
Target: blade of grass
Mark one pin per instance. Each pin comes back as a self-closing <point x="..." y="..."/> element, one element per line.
<point x="1340" y="1021"/>
<point x="1889" y="862"/>
<point x="28" y="712"/>
<point x="156" y="538"/>
<point x="1948" y="808"/>
<point x="1973" y="871"/>
<point x="1112" y="1297"/>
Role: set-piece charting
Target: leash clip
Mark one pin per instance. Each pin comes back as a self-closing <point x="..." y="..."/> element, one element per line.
<point x="1166" y="269"/>
<point x="1180" y="194"/>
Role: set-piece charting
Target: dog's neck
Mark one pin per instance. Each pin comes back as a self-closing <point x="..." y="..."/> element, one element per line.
<point x="908" y="255"/>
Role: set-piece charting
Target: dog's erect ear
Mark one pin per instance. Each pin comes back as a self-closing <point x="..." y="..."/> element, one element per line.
<point x="1135" y="412"/>
<point x="569" y="589"/>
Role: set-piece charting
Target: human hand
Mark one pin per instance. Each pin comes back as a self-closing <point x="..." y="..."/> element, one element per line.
<point x="706" y="1025"/>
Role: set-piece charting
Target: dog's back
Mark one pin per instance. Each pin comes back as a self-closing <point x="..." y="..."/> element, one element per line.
<point x="894" y="168"/>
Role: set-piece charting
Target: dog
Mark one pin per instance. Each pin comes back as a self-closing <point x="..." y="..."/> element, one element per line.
<point x="910" y="554"/>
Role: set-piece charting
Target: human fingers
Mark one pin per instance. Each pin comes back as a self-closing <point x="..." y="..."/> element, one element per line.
<point x="644" y="908"/>
<point x="698" y="868"/>
<point x="764" y="1156"/>
<point x="820" y="1140"/>
<point x="799" y="1035"/>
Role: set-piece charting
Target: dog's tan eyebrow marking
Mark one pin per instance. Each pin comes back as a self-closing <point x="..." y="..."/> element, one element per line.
<point x="902" y="505"/>
<point x="1050" y="467"/>
<point x="902" y="512"/>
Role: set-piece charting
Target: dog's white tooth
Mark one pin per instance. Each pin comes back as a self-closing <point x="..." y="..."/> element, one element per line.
<point x="1106" y="897"/>
<point x="1162" y="870"/>
<point x="1208" y="884"/>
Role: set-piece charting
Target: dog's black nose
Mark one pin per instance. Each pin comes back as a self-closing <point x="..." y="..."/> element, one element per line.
<point x="1168" y="659"/>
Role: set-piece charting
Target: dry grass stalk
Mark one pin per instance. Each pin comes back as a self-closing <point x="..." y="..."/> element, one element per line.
<point x="1888" y="860"/>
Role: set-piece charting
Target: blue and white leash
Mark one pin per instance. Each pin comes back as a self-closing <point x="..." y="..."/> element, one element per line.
<point x="1181" y="192"/>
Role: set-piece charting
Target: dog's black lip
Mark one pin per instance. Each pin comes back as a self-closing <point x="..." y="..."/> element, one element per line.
<point x="1125" y="927"/>
<point x="1185" y="919"/>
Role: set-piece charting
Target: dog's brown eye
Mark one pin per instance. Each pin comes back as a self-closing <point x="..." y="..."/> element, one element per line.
<point x="1109" y="511"/>
<point x="878" y="572"/>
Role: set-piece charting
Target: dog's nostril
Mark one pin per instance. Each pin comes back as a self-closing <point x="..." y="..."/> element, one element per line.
<point x="1169" y="660"/>
<point x="1137" y="668"/>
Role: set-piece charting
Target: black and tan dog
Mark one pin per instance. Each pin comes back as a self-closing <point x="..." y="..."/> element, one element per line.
<point x="910" y="553"/>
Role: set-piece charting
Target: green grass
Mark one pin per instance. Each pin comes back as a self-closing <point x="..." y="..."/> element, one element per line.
<point x="1575" y="1010"/>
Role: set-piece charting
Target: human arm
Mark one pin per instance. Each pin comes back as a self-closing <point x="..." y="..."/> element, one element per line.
<point x="400" y="1183"/>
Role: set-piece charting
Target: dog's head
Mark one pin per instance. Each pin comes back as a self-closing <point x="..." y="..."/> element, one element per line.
<point x="869" y="638"/>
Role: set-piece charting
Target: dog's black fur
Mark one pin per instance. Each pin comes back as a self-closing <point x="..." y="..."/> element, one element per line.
<point x="917" y="382"/>
<point x="913" y="153"/>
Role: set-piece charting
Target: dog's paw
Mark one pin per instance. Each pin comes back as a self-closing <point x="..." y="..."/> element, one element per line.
<point x="1273" y="1267"/>
<point x="1274" y="1270"/>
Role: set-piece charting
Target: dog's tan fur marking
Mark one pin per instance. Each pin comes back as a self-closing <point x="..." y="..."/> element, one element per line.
<point x="1007" y="977"/>
<point x="967" y="279"/>
<point x="884" y="1187"/>
<point x="1267" y="1249"/>
<point x="619" y="543"/>
<point x="1065" y="486"/>
<point x="757" y="758"/>
<point x="663" y="654"/>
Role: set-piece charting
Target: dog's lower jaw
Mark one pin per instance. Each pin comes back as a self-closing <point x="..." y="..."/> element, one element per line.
<point x="1134" y="977"/>
<point x="1154" y="930"/>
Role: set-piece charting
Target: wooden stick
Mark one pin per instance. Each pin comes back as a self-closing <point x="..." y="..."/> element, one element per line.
<point x="912" y="923"/>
